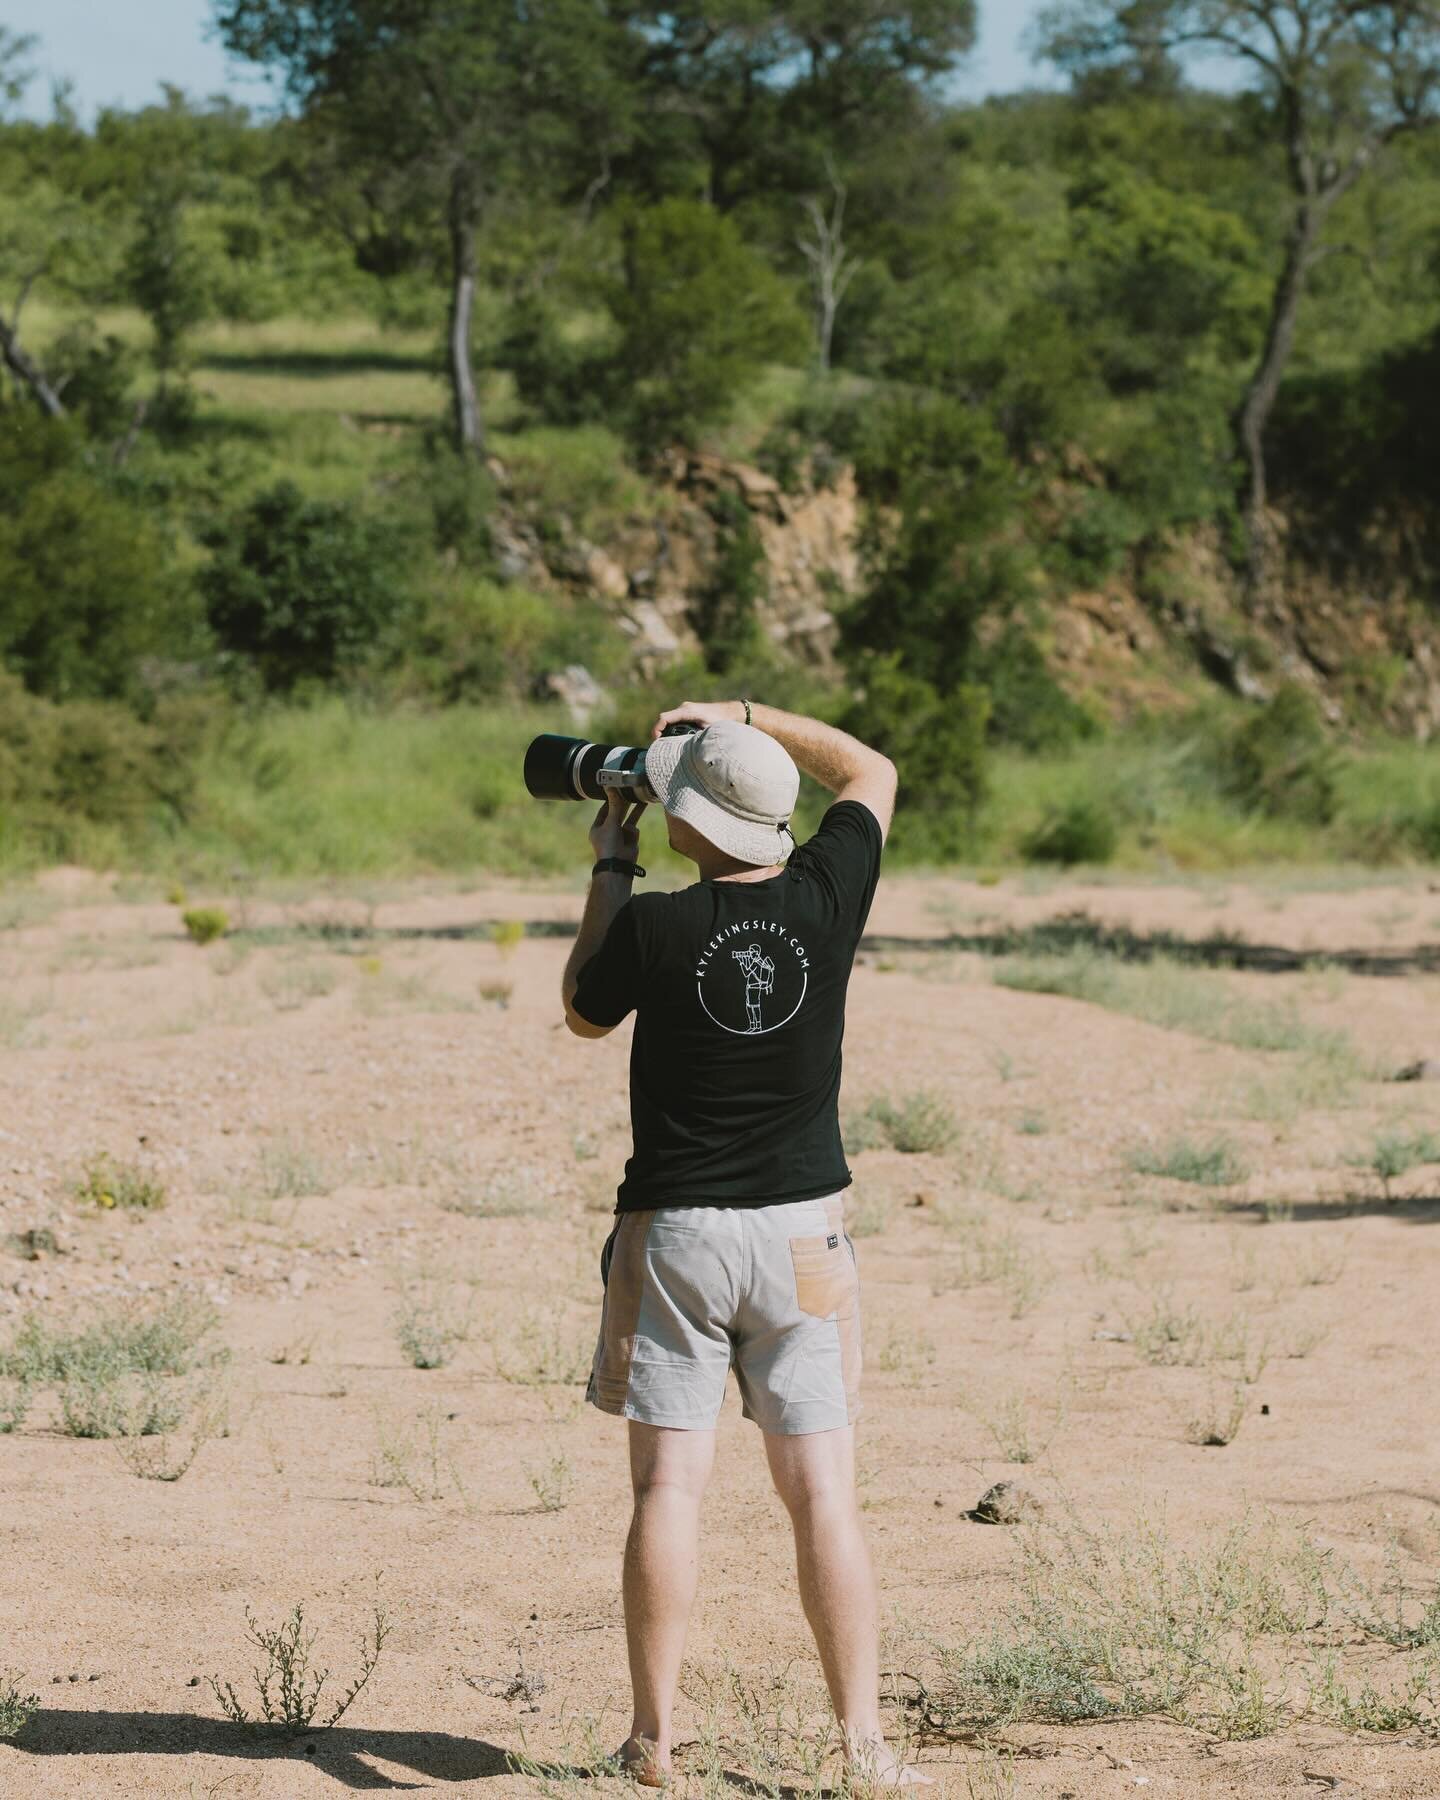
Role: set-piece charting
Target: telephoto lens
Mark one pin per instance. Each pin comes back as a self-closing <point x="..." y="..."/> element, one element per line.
<point x="566" y="768"/>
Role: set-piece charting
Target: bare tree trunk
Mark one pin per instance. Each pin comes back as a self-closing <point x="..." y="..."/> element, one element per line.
<point x="831" y="266"/>
<point x="469" y="431"/>
<point x="1259" y="401"/>
<point x="27" y="370"/>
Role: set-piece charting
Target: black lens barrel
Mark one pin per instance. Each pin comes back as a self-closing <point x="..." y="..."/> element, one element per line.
<point x="565" y="768"/>
<point x="568" y="768"/>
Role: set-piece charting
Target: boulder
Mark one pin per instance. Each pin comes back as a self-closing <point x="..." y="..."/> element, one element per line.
<point x="577" y="690"/>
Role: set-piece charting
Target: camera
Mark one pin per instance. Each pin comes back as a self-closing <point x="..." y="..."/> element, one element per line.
<point x="566" y="768"/>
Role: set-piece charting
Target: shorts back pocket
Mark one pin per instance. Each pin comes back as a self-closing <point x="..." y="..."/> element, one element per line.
<point x="825" y="1277"/>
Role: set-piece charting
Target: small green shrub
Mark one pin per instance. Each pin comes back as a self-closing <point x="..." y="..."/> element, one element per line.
<point x="205" y="923"/>
<point x="16" y="1708"/>
<point x="1077" y="831"/>
<point x="917" y="1123"/>
<point x="15" y="1397"/>
<point x="1395" y="1153"/>
<point x="108" y="1184"/>
<point x="937" y="743"/>
<point x="553" y="1483"/>
<point x="1280" y="762"/>
<point x="111" y="1374"/>
<point x="305" y="590"/>
<point x="429" y="1331"/>
<point x="1216" y="1164"/>
<point x="507" y="935"/>
<point x="287" y="1685"/>
<point x="106" y="1402"/>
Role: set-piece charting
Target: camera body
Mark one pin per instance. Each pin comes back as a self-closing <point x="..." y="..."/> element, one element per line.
<point x="566" y="768"/>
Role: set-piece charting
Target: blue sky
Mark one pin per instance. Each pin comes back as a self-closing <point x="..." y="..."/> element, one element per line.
<point x="119" y="51"/>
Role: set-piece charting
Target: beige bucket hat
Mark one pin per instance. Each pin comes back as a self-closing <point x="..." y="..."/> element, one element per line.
<point x="734" y="783"/>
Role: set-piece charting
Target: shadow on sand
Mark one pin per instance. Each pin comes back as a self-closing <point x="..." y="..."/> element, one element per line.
<point x="431" y="1755"/>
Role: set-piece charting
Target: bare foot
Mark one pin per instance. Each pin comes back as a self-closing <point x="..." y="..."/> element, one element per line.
<point x="874" y="1767"/>
<point x="641" y="1761"/>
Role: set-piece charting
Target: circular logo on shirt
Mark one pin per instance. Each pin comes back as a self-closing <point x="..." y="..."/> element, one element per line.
<point x="751" y="977"/>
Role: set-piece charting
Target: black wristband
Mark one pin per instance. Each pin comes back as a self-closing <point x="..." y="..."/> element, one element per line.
<point x="616" y="865"/>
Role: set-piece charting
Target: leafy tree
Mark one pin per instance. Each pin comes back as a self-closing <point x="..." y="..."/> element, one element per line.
<point x="16" y="73"/>
<point x="304" y="589"/>
<point x="166" y="273"/>
<point x="88" y="587"/>
<point x="939" y="488"/>
<point x="699" y="314"/>
<point x="758" y="102"/>
<point x="937" y="742"/>
<point x="420" y="115"/>
<point x="1339" y="81"/>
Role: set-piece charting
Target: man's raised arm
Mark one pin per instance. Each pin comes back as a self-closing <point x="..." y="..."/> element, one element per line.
<point x="851" y="770"/>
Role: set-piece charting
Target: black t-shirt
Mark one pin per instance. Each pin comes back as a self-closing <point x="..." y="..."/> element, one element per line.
<point x="739" y="994"/>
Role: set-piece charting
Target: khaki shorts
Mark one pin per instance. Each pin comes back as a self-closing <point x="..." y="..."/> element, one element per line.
<point x="691" y="1291"/>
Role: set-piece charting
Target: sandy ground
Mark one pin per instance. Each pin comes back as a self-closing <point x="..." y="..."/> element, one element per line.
<point x="417" y="1078"/>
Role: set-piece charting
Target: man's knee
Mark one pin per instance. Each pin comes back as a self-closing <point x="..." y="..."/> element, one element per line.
<point x="812" y="1475"/>
<point x="672" y="1465"/>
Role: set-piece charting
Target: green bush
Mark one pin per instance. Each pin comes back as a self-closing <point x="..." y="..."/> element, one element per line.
<point x="88" y="581"/>
<point x="1280" y="761"/>
<point x="305" y="590"/>
<point x="91" y="762"/>
<point x="937" y="744"/>
<point x="203" y="924"/>
<point x="580" y="473"/>
<point x="1077" y="831"/>
<point x="108" y="1184"/>
<point x="565" y="376"/>
<point x="735" y="584"/>
<point x="699" y="315"/>
<point x="1028" y="706"/>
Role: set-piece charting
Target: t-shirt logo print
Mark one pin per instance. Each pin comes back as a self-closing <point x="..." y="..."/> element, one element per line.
<point x="759" y="979"/>
<point x="764" y="974"/>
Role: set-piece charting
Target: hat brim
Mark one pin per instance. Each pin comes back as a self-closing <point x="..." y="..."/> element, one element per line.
<point x="683" y="798"/>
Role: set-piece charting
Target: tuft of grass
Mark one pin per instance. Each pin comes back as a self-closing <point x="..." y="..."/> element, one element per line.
<point x="553" y="1483"/>
<point x="541" y="1351"/>
<point x="115" y="1376"/>
<point x="17" y="1708"/>
<point x="294" y="980"/>
<point x="288" y="1169"/>
<point x="509" y="1194"/>
<point x="1013" y="1429"/>
<point x="288" y="1684"/>
<point x="204" y="924"/>
<point x="413" y="1456"/>
<point x="1395" y="1153"/>
<point x="1118" y="1622"/>
<point x="1214" y="1164"/>
<point x="428" y="1328"/>
<point x="917" y="1124"/>
<point x="1166" y="992"/>
<point x="991" y="1254"/>
<point x="906" y="1352"/>
<point x="108" y="1184"/>
<point x="1218" y="1422"/>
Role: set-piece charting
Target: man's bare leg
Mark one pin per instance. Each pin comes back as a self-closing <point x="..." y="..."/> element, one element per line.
<point x="814" y="1475"/>
<point x="668" y="1472"/>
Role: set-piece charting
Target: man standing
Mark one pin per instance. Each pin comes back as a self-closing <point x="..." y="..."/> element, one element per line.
<point x="729" y="1246"/>
<point x="759" y="974"/>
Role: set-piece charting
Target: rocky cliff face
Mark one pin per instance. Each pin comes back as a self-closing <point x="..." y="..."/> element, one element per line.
<point x="1138" y="643"/>
<point x="654" y="571"/>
